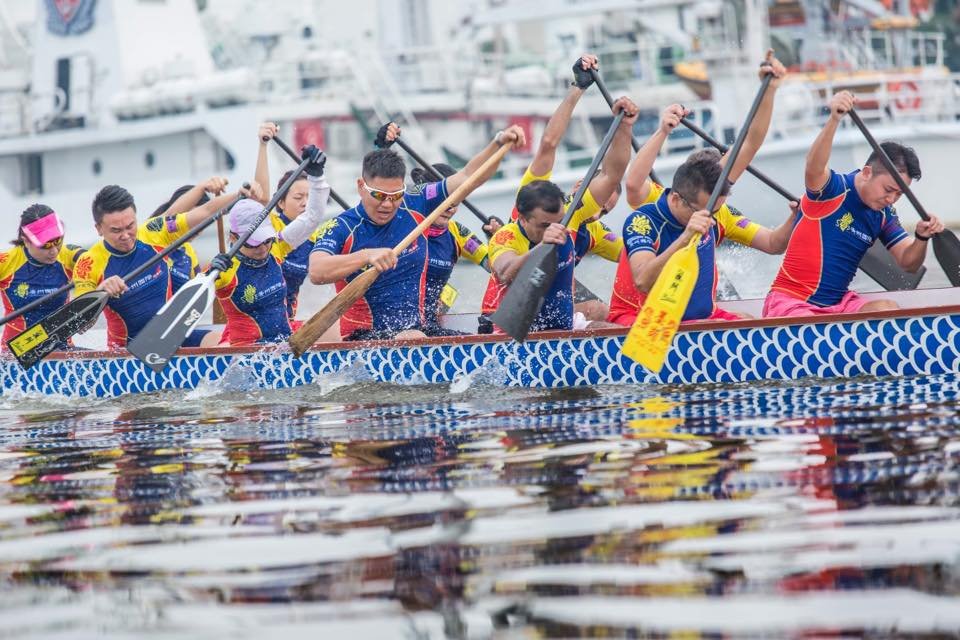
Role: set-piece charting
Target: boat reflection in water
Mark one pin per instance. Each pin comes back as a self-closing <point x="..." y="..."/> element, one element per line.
<point x="404" y="511"/>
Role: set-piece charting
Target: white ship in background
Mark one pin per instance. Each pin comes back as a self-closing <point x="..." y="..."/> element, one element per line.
<point x="152" y="94"/>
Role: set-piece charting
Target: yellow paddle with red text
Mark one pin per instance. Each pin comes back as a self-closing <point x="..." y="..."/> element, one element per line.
<point x="657" y="322"/>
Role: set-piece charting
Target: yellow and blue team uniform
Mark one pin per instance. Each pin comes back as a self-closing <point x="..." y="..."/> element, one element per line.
<point x="652" y="227"/>
<point x="129" y="313"/>
<point x="253" y="295"/>
<point x="295" y="264"/>
<point x="23" y="280"/>
<point x="557" y="309"/>
<point x="395" y="301"/>
<point x="445" y="248"/>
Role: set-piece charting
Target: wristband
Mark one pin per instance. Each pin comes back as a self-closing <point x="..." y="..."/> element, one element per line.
<point x="920" y="237"/>
<point x="498" y="138"/>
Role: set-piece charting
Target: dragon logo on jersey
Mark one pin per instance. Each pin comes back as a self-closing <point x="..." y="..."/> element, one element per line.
<point x="845" y="221"/>
<point x="504" y="236"/>
<point x="250" y="294"/>
<point x="22" y="290"/>
<point x="641" y="225"/>
<point x="83" y="267"/>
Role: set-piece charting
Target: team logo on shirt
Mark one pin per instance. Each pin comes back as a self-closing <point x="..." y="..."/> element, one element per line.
<point x="250" y="294"/>
<point x="845" y="221"/>
<point x="83" y="267"/>
<point x="504" y="236"/>
<point x="326" y="227"/>
<point x="22" y="290"/>
<point x="641" y="226"/>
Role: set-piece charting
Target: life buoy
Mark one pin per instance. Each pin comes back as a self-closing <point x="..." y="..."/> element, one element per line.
<point x="906" y="95"/>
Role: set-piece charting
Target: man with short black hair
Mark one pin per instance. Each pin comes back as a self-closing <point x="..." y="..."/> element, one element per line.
<point x="364" y="236"/>
<point x="124" y="246"/>
<point x="841" y="215"/>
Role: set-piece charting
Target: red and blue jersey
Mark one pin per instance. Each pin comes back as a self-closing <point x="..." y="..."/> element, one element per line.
<point x="446" y="248"/>
<point x="23" y="280"/>
<point x="253" y="295"/>
<point x="395" y="301"/>
<point x="833" y="231"/>
<point x="653" y="228"/>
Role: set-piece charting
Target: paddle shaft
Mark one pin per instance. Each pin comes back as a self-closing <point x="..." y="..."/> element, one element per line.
<point x="485" y="219"/>
<point x="594" y="165"/>
<point x="597" y="80"/>
<point x="219" y="317"/>
<point x="888" y="163"/>
<point x="30" y="306"/>
<point x="290" y="152"/>
<point x="762" y="177"/>
<point x="182" y="240"/>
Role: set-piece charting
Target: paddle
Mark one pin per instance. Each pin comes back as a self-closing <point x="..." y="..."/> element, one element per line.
<point x="597" y="80"/>
<point x="946" y="245"/>
<point x="484" y="219"/>
<point x="322" y="320"/>
<point x="30" y="306"/>
<point x="51" y="333"/>
<point x="658" y="320"/>
<point x="219" y="317"/>
<point x="876" y="263"/>
<point x="290" y="152"/>
<point x="167" y="330"/>
<point x="524" y="297"/>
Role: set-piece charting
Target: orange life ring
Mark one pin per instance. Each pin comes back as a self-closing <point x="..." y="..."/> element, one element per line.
<point x="906" y="95"/>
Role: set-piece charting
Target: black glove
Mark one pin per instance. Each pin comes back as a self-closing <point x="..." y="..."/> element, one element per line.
<point x="581" y="77"/>
<point x="221" y="262"/>
<point x="381" y="141"/>
<point x="317" y="160"/>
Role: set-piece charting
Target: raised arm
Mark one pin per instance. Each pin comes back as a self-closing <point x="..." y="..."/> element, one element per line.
<point x="189" y="200"/>
<point x="298" y="231"/>
<point x="198" y="214"/>
<point x="638" y="175"/>
<point x="817" y="170"/>
<point x="615" y="163"/>
<point x="513" y="134"/>
<point x="761" y="122"/>
<point x="265" y="134"/>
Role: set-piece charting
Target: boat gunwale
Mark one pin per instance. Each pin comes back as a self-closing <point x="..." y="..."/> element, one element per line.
<point x="700" y="325"/>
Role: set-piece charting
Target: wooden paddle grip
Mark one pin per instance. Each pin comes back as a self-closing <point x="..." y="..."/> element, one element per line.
<point x="458" y="195"/>
<point x="322" y="320"/>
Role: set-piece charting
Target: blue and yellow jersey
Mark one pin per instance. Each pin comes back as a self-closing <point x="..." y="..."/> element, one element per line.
<point x="833" y="230"/>
<point x="128" y="314"/>
<point x="597" y="238"/>
<point x="183" y="264"/>
<point x="296" y="263"/>
<point x="395" y="300"/>
<point x="557" y="309"/>
<point x="445" y="249"/>
<point x="253" y="296"/>
<point x="589" y="207"/>
<point x="653" y="228"/>
<point x="23" y="280"/>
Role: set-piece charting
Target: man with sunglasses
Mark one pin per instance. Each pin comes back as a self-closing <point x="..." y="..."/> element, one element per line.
<point x="670" y="218"/>
<point x="364" y="236"/>
<point x="125" y="245"/>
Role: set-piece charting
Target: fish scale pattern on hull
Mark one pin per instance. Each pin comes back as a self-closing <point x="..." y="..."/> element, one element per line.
<point x="879" y="347"/>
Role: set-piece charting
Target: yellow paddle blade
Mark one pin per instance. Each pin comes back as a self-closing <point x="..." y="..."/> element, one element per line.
<point x="652" y="332"/>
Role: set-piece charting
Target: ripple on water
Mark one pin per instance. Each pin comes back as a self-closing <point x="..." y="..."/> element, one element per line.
<point x="349" y="507"/>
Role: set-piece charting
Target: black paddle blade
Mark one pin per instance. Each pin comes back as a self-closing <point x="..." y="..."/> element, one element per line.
<point x="883" y="268"/>
<point x="523" y="299"/>
<point x="167" y="330"/>
<point x="946" y="248"/>
<point x="34" y="343"/>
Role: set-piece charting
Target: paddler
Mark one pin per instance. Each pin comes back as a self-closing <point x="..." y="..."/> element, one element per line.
<point x="658" y="229"/>
<point x="841" y="215"/>
<point x="363" y="237"/>
<point x="123" y="247"/>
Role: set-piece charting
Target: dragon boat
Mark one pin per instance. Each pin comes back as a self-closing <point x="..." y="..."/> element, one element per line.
<point x="923" y="337"/>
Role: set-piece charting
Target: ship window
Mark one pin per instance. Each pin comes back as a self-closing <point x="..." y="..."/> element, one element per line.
<point x="149" y="159"/>
<point x="31" y="172"/>
<point x="97" y="167"/>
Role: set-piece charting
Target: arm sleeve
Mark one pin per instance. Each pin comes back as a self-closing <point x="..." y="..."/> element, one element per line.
<point x="656" y="191"/>
<point x="835" y="186"/>
<point x="606" y="243"/>
<point x="506" y="239"/>
<point x="300" y="230"/>
<point x="640" y="234"/>
<point x="87" y="273"/>
<point x="589" y="207"/>
<point x="891" y="231"/>
<point x="736" y="226"/>
<point x="469" y="244"/>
